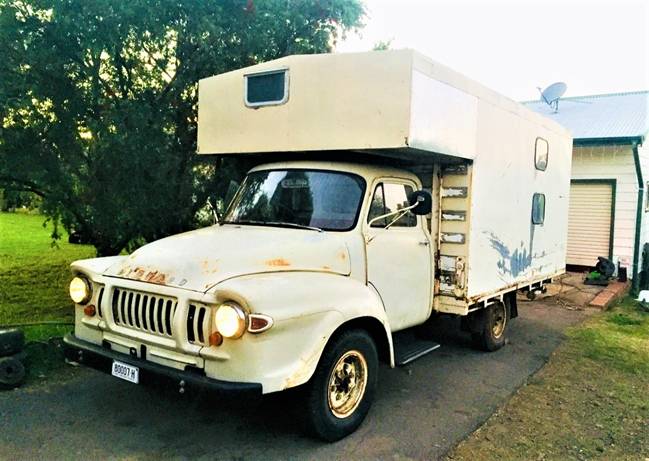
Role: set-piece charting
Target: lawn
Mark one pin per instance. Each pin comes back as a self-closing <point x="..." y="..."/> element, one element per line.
<point x="34" y="275"/>
<point x="590" y="402"/>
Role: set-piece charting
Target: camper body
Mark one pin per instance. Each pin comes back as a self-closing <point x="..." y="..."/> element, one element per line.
<point x="388" y="189"/>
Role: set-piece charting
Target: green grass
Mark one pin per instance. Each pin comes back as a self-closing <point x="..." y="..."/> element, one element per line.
<point x="34" y="275"/>
<point x="590" y="402"/>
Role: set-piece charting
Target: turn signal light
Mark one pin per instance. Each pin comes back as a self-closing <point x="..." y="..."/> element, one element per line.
<point x="216" y="339"/>
<point x="89" y="310"/>
<point x="258" y="323"/>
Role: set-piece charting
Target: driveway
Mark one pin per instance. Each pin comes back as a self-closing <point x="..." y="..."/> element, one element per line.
<point x="421" y="410"/>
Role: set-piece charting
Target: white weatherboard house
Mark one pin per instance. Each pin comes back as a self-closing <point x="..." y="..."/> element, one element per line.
<point x="609" y="206"/>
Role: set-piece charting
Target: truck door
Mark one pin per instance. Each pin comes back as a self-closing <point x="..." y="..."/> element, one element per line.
<point x="399" y="258"/>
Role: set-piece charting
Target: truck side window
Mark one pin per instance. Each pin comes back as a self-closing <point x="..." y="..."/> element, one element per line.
<point x="538" y="209"/>
<point x="541" y="149"/>
<point x="377" y="207"/>
<point x="389" y="198"/>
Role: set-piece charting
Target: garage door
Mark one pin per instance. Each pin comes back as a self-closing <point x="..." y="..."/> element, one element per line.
<point x="589" y="222"/>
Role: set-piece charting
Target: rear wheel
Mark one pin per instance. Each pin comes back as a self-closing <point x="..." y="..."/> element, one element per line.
<point x="342" y="389"/>
<point x="490" y="327"/>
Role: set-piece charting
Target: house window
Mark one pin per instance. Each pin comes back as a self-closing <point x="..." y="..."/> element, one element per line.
<point x="266" y="88"/>
<point x="538" y="208"/>
<point x="541" y="154"/>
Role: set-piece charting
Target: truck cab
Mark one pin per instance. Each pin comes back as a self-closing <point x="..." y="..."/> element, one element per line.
<point x="302" y="260"/>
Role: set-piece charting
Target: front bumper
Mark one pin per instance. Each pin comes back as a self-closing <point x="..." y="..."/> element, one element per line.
<point x="101" y="358"/>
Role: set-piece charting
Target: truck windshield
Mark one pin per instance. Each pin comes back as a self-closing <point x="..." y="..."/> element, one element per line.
<point x="321" y="200"/>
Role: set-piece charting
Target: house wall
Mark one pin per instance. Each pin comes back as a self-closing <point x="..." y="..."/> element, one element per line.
<point x="616" y="162"/>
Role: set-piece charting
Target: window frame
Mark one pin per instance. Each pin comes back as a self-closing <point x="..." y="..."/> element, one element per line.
<point x="536" y="153"/>
<point x="276" y="102"/>
<point x="534" y="199"/>
<point x="359" y="210"/>
<point x="390" y="180"/>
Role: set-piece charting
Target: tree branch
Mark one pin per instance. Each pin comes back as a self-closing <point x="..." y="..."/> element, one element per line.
<point x="23" y="185"/>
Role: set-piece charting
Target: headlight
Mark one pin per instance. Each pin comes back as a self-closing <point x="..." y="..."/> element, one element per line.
<point x="230" y="320"/>
<point x="80" y="290"/>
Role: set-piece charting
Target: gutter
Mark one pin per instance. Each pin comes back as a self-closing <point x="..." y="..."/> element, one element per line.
<point x="608" y="141"/>
<point x="638" y="217"/>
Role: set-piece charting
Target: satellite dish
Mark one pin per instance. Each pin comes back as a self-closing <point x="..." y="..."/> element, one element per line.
<point x="552" y="94"/>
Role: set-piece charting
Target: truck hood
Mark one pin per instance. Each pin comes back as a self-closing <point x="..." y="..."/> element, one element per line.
<point x="200" y="259"/>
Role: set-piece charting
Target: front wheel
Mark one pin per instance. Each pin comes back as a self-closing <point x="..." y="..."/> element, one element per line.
<point x="490" y="326"/>
<point x="342" y="389"/>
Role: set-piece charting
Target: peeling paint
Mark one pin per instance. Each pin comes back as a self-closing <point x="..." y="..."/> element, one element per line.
<point x="452" y="237"/>
<point x="455" y="192"/>
<point x="518" y="261"/>
<point x="453" y="215"/>
<point x="307" y="363"/>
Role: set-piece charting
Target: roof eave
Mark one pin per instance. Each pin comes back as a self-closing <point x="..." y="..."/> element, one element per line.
<point x="608" y="141"/>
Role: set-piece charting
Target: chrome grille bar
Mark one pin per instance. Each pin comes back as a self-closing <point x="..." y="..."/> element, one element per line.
<point x="198" y="318"/>
<point x="144" y="311"/>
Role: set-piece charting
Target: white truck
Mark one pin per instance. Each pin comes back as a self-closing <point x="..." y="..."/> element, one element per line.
<point x="389" y="189"/>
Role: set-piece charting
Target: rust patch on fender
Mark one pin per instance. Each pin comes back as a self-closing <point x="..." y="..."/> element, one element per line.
<point x="142" y="274"/>
<point x="278" y="262"/>
<point x="156" y="277"/>
<point x="327" y="268"/>
<point x="343" y="256"/>
<point x="210" y="267"/>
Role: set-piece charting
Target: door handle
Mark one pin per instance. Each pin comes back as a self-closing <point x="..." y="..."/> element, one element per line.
<point x="424" y="242"/>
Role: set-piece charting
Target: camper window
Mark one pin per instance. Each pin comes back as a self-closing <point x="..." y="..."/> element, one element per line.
<point x="266" y="88"/>
<point x="538" y="209"/>
<point x="541" y="154"/>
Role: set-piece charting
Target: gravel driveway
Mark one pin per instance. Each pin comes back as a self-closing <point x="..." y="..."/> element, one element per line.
<point x="421" y="410"/>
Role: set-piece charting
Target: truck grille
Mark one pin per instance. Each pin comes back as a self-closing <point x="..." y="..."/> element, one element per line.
<point x="198" y="319"/>
<point x="144" y="311"/>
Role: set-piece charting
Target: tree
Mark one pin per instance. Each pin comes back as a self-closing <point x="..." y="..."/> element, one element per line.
<point x="98" y="101"/>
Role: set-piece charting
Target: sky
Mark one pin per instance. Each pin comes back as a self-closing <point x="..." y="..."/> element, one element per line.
<point x="513" y="47"/>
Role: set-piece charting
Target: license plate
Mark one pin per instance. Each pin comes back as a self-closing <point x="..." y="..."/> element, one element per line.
<point x="126" y="372"/>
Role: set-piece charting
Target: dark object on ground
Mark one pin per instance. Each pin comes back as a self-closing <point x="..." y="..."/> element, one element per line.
<point x="621" y="274"/>
<point x="11" y="342"/>
<point x="604" y="270"/>
<point x="643" y="275"/>
<point x="605" y="267"/>
<point x="12" y="370"/>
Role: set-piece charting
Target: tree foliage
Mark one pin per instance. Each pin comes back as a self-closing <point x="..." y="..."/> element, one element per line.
<point x="98" y="101"/>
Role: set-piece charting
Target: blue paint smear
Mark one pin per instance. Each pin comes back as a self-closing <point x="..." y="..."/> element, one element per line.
<point x="511" y="262"/>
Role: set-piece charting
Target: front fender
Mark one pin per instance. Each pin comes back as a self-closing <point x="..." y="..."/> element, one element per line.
<point x="307" y="308"/>
<point x="94" y="267"/>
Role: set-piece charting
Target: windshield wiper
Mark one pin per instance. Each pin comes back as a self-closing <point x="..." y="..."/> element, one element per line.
<point x="292" y="224"/>
<point x="274" y="223"/>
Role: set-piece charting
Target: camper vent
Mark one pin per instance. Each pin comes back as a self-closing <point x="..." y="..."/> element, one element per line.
<point x="266" y="88"/>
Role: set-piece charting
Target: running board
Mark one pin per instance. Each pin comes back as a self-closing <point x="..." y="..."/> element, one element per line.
<point x="408" y="348"/>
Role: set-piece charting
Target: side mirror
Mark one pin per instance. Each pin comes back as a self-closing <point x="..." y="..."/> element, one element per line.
<point x="422" y="202"/>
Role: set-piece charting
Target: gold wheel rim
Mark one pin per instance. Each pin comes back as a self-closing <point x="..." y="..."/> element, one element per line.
<point x="347" y="384"/>
<point x="500" y="320"/>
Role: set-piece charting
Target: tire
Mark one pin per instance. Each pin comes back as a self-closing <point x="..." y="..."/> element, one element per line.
<point x="11" y="342"/>
<point x="491" y="327"/>
<point x="331" y="416"/>
<point x="12" y="372"/>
